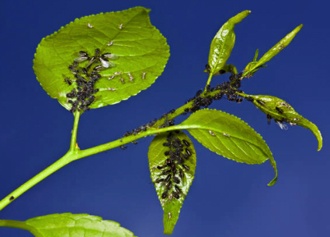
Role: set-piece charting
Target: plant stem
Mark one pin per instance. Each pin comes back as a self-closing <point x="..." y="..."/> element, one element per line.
<point x="208" y="82"/>
<point x="67" y="158"/>
<point x="73" y="143"/>
<point x="60" y="163"/>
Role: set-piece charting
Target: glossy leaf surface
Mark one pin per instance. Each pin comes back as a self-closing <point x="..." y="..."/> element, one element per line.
<point x="253" y="66"/>
<point x="281" y="111"/>
<point x="68" y="224"/>
<point x="123" y="47"/>
<point x="172" y="164"/>
<point x="223" y="43"/>
<point x="229" y="137"/>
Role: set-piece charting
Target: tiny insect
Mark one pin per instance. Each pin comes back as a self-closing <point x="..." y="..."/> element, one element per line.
<point x="176" y="195"/>
<point x="90" y="26"/>
<point x="211" y="133"/>
<point x="159" y="180"/>
<point x="283" y="126"/>
<point x="176" y="180"/>
<point x="131" y="78"/>
<point x="186" y="142"/>
<point x="68" y="81"/>
<point x="164" y="195"/>
<point x="110" y="43"/>
<point x="121" y="26"/>
<point x="104" y="63"/>
<point x="186" y="167"/>
<point x="188" y="152"/>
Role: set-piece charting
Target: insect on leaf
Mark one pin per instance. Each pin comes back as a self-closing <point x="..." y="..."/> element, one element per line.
<point x="172" y="163"/>
<point x="281" y="111"/>
<point x="118" y="54"/>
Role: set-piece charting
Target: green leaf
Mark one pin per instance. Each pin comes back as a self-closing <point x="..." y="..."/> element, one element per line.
<point x="135" y="50"/>
<point x="68" y="224"/>
<point x="281" y="111"/>
<point x="230" y="137"/>
<point x="255" y="65"/>
<point x="172" y="163"/>
<point x="223" y="43"/>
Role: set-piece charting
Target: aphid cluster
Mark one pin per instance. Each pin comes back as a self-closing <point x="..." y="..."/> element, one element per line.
<point x="86" y="71"/>
<point x="173" y="170"/>
<point x="205" y="99"/>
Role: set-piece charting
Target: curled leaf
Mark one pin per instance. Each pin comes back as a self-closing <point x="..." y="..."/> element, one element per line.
<point x="223" y="43"/>
<point x="172" y="163"/>
<point x="281" y="111"/>
<point x="101" y="59"/>
<point x="230" y="137"/>
<point x="255" y="65"/>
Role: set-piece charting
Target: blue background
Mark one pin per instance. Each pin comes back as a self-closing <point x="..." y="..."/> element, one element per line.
<point x="226" y="198"/>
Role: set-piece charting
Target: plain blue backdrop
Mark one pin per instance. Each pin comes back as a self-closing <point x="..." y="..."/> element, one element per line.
<point x="227" y="199"/>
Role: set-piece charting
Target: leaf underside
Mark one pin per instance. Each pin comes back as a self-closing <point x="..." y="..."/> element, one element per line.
<point x="172" y="164"/>
<point x="139" y="53"/>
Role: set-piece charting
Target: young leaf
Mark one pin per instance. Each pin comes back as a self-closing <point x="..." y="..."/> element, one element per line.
<point x="281" y="111"/>
<point x="230" y="137"/>
<point x="122" y="51"/>
<point x="255" y="65"/>
<point x="68" y="224"/>
<point x="172" y="164"/>
<point x="223" y="43"/>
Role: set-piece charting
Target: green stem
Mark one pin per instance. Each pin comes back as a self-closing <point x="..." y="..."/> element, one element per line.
<point x="66" y="159"/>
<point x="19" y="225"/>
<point x="75" y="153"/>
<point x="60" y="163"/>
<point x="208" y="82"/>
<point x="73" y="143"/>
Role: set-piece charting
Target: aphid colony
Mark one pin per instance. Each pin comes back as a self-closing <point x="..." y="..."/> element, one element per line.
<point x="86" y="71"/>
<point x="173" y="169"/>
<point x="205" y="99"/>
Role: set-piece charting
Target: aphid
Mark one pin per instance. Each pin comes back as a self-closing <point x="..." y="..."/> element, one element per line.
<point x="159" y="180"/>
<point x="11" y="198"/>
<point x="168" y="178"/>
<point x="97" y="68"/>
<point x="90" y="26"/>
<point x="68" y="81"/>
<point x="269" y="118"/>
<point x="279" y="110"/>
<point x="161" y="167"/>
<point x="186" y="142"/>
<point x="169" y="185"/>
<point x="181" y="174"/>
<point x="97" y="52"/>
<point x="164" y="195"/>
<point x="260" y="102"/>
<point x="176" y="195"/>
<point x="211" y="133"/>
<point x="176" y="180"/>
<point x="167" y="153"/>
<point x="121" y="26"/>
<point x="144" y="75"/>
<point x="104" y="63"/>
<point x="111" y="77"/>
<point x="186" y="167"/>
<point x="177" y="189"/>
<point x="165" y="172"/>
<point x="188" y="152"/>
